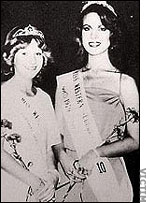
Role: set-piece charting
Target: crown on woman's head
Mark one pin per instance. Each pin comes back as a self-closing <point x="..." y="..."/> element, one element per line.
<point x="29" y="30"/>
<point x="103" y="3"/>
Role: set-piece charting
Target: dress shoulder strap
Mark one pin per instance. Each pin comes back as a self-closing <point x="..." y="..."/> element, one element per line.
<point x="120" y="89"/>
<point x="120" y="78"/>
<point x="120" y="94"/>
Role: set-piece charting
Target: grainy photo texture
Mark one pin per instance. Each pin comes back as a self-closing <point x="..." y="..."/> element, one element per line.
<point x="70" y="101"/>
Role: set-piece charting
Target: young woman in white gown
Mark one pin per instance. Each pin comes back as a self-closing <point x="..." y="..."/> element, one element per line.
<point x="97" y="110"/>
<point x="29" y="127"/>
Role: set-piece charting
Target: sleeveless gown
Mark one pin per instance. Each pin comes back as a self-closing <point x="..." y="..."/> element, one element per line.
<point x="107" y="108"/>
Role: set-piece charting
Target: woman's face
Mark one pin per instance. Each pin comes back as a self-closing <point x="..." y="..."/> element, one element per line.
<point x="95" y="37"/>
<point x="29" y="60"/>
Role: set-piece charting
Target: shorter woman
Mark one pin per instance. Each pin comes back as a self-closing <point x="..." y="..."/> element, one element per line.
<point x="28" y="122"/>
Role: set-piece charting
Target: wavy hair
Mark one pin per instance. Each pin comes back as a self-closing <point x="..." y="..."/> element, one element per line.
<point x="112" y="23"/>
<point x="15" y="42"/>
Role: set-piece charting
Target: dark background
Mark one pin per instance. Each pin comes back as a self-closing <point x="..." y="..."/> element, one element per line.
<point x="56" y="19"/>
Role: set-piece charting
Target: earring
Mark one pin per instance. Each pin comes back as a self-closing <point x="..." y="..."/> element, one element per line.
<point x="39" y="75"/>
<point x="11" y="69"/>
<point x="112" y="48"/>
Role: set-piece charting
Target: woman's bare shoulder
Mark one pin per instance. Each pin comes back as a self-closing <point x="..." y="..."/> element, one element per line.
<point x="127" y="79"/>
<point x="129" y="90"/>
<point x="6" y="89"/>
<point x="4" y="86"/>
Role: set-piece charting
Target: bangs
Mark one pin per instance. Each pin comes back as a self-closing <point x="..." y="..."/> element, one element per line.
<point x="107" y="17"/>
<point x="27" y="39"/>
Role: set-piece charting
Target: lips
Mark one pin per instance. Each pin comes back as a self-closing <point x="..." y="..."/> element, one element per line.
<point x="94" y="44"/>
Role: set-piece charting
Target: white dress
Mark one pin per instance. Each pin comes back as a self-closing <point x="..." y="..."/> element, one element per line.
<point x="34" y="120"/>
<point x="108" y="111"/>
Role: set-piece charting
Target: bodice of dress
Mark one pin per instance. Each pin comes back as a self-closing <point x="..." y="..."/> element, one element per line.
<point x="33" y="122"/>
<point x="106" y="107"/>
<point x="103" y="92"/>
<point x="33" y="119"/>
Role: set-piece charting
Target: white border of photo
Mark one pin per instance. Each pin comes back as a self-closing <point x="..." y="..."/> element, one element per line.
<point x="145" y="91"/>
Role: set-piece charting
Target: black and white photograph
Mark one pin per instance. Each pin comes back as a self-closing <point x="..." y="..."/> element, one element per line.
<point x="70" y="100"/>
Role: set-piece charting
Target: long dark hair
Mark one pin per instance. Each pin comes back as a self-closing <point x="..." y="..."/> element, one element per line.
<point x="117" y="38"/>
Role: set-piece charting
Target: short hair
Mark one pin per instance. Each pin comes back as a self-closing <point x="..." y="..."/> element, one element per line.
<point x="19" y="38"/>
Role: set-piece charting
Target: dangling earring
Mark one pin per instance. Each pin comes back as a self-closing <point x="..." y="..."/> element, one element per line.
<point x="112" y="48"/>
<point x="80" y="50"/>
<point x="39" y="75"/>
<point x="11" y="69"/>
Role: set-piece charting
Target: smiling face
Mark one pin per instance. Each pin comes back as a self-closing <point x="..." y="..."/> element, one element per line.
<point x="95" y="37"/>
<point x="28" y="61"/>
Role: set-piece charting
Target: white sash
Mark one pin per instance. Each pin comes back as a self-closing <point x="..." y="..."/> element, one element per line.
<point x="85" y="136"/>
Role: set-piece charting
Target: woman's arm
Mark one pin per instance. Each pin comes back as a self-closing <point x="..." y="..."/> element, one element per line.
<point x="65" y="160"/>
<point x="52" y="173"/>
<point x="11" y="166"/>
<point x="129" y="143"/>
<point x="66" y="163"/>
<point x="41" y="189"/>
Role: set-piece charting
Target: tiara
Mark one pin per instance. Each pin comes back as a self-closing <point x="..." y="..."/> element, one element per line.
<point x="103" y="3"/>
<point x="29" y="30"/>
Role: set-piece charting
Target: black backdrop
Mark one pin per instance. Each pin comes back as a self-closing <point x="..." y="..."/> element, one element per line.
<point x="55" y="19"/>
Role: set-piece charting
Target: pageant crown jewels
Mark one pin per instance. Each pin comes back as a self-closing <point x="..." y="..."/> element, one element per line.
<point x="29" y="30"/>
<point x="103" y="3"/>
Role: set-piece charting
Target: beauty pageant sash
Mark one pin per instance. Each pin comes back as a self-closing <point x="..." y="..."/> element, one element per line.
<point x="85" y="136"/>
